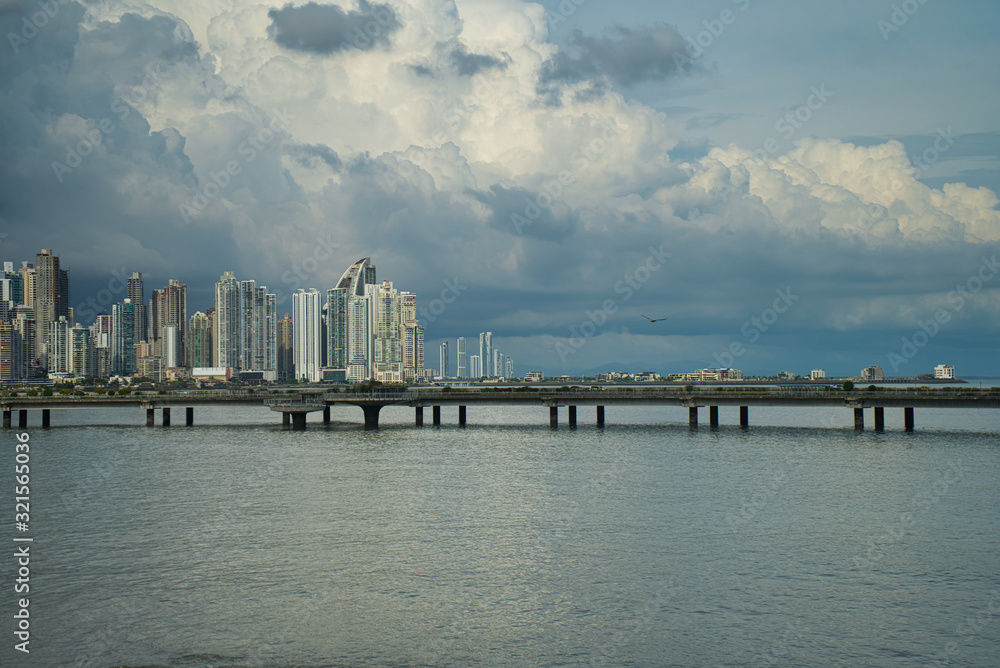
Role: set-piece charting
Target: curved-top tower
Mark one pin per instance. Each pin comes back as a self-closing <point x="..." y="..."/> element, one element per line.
<point x="356" y="276"/>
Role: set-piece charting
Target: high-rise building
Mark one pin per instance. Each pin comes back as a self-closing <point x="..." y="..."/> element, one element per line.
<point x="444" y="359"/>
<point x="389" y="334"/>
<point x="169" y="346"/>
<point x="123" y="357"/>
<point x="475" y="367"/>
<point x="462" y="371"/>
<point x="175" y="313"/>
<point x="258" y="330"/>
<point x="199" y="348"/>
<point x="226" y="334"/>
<point x="137" y="293"/>
<point x="306" y="313"/>
<point x="28" y="281"/>
<point x="10" y="352"/>
<point x="81" y="351"/>
<point x="14" y="281"/>
<point x="286" y="363"/>
<point x="51" y="298"/>
<point x="336" y="330"/>
<point x="101" y="336"/>
<point x="486" y="353"/>
<point x="57" y="354"/>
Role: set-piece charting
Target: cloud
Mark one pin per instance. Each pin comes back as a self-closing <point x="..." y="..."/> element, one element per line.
<point x="327" y="29"/>
<point x="470" y="64"/>
<point x="624" y="56"/>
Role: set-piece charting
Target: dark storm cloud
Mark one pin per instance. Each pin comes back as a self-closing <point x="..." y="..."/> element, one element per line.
<point x="625" y="56"/>
<point x="470" y="64"/>
<point x="519" y="211"/>
<point x="307" y="155"/>
<point x="328" y="29"/>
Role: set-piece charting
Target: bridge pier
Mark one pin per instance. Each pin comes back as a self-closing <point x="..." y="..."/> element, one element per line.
<point x="166" y="417"/>
<point x="299" y="421"/>
<point x="908" y="419"/>
<point x="22" y="419"/>
<point x="435" y="416"/>
<point x="553" y="416"/>
<point x="693" y="417"/>
<point x="600" y="416"/>
<point x="189" y="416"/>
<point x="461" y="416"/>
<point x="372" y="410"/>
<point x="326" y="415"/>
<point x="150" y="417"/>
<point x="879" y="418"/>
<point x="6" y="419"/>
<point x="419" y="413"/>
<point x="46" y="417"/>
<point x="286" y="419"/>
<point x="744" y="416"/>
<point x="572" y="416"/>
<point x="859" y="419"/>
<point x="713" y="417"/>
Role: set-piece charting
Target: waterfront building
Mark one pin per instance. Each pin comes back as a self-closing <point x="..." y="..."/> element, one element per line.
<point x="285" y="364"/>
<point x="872" y="373"/>
<point x="137" y="293"/>
<point x="14" y="282"/>
<point x="508" y="367"/>
<point x="534" y="377"/>
<point x="10" y="353"/>
<point x="486" y="353"/>
<point x="123" y="353"/>
<point x="475" y="367"/>
<point x="389" y="333"/>
<point x="199" y="348"/>
<point x="817" y="374"/>
<point x="444" y="359"/>
<point x="258" y="330"/>
<point x="226" y="332"/>
<point x="462" y="371"/>
<point x="944" y="372"/>
<point x="50" y="299"/>
<point x="306" y="313"/>
<point x="81" y="351"/>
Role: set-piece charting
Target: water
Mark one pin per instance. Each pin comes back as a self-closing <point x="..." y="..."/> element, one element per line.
<point x="795" y="543"/>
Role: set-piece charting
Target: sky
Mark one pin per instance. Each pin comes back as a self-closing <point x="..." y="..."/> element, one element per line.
<point x="793" y="185"/>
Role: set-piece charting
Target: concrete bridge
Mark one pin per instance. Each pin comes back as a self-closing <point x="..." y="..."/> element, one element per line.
<point x="295" y="407"/>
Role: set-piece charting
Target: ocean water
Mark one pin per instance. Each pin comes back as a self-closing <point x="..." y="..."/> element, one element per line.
<point x="796" y="542"/>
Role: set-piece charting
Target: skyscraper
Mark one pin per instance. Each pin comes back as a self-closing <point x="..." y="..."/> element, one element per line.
<point x="336" y="330"/>
<point x="226" y="334"/>
<point x="137" y="293"/>
<point x="199" y="348"/>
<point x="51" y="297"/>
<point x="258" y="330"/>
<point x="285" y="363"/>
<point x="475" y="367"/>
<point x="462" y="371"/>
<point x="389" y="333"/>
<point x="486" y="353"/>
<point x="306" y="342"/>
<point x="123" y="359"/>
<point x="444" y="359"/>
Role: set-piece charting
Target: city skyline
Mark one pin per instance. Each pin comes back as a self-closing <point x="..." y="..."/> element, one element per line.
<point x="797" y="187"/>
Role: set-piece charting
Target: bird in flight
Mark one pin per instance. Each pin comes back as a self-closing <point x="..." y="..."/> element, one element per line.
<point x="652" y="319"/>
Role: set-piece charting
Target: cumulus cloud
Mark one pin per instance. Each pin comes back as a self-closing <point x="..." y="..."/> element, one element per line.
<point x="233" y="115"/>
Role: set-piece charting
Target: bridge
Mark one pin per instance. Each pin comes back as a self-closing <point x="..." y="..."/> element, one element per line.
<point x="296" y="406"/>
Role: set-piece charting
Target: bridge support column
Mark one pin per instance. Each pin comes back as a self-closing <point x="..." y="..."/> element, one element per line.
<point x="461" y="416"/>
<point x="150" y="417"/>
<point x="6" y="419"/>
<point x="713" y="417"/>
<point x="859" y="419"/>
<point x="572" y="416"/>
<point x="879" y="418"/>
<point x="286" y="419"/>
<point x="744" y="416"/>
<point x="22" y="419"/>
<point x="299" y="421"/>
<point x="553" y="416"/>
<point x="166" y="417"/>
<point x="46" y="417"/>
<point x="693" y="416"/>
<point x="189" y="416"/>
<point x="419" y="411"/>
<point x="908" y="419"/>
<point x="371" y="415"/>
<point x="436" y="416"/>
<point x="600" y="416"/>
<point x="326" y="415"/>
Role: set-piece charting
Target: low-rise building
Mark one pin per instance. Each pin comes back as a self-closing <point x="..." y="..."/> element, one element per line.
<point x="944" y="371"/>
